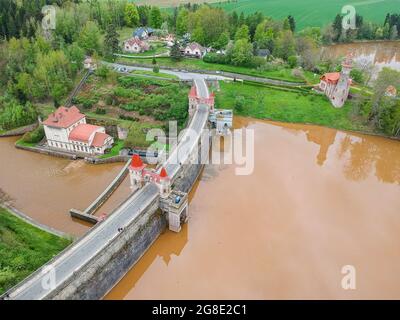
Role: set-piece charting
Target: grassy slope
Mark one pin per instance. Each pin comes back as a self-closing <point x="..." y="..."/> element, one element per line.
<point x="314" y="12"/>
<point x="23" y="249"/>
<point x="267" y="103"/>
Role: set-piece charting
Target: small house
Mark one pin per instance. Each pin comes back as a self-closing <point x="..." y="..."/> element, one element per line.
<point x="194" y="50"/>
<point x="135" y="45"/>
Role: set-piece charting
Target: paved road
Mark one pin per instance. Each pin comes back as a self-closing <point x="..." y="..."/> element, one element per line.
<point x="82" y="251"/>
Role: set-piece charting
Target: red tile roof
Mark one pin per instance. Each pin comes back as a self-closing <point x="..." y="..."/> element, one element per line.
<point x="64" y="117"/>
<point x="332" y="77"/>
<point x="99" y="139"/>
<point x="193" y="92"/>
<point x="83" y="132"/>
<point x="163" y="173"/>
<point x="137" y="162"/>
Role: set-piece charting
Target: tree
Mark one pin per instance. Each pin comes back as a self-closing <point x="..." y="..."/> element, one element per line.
<point x="89" y="37"/>
<point x="285" y="45"/>
<point x="242" y="53"/>
<point x="182" y="21"/>
<point x="223" y="40"/>
<point x="111" y="42"/>
<point x="198" y="35"/>
<point x="155" y="17"/>
<point x="175" y="52"/>
<point x="242" y="33"/>
<point x="292" y="23"/>
<point x="131" y="15"/>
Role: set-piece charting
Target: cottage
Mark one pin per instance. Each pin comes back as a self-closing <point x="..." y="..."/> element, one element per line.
<point x="135" y="45"/>
<point x="194" y="50"/>
<point x="143" y="33"/>
<point x="89" y="64"/>
<point x="66" y="129"/>
<point x="391" y="91"/>
<point x="170" y="40"/>
<point x="336" y="85"/>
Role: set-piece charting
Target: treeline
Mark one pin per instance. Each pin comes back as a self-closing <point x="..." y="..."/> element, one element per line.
<point x="365" y="30"/>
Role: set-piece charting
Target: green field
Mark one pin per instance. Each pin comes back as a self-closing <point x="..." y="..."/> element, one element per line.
<point x="273" y="104"/>
<point x="314" y="12"/>
<point x="23" y="249"/>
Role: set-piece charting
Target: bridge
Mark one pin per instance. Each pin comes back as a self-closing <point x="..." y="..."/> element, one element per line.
<point x="92" y="265"/>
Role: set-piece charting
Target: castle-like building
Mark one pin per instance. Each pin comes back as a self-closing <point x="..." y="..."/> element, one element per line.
<point x="336" y="85"/>
<point x="66" y="130"/>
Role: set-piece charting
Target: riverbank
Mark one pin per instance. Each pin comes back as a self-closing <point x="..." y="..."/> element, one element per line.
<point x="262" y="102"/>
<point x="23" y="249"/>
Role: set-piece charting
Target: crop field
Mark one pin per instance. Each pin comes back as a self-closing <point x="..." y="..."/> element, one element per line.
<point x="306" y="12"/>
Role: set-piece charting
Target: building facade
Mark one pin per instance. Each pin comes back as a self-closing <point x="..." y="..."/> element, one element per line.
<point x="194" y="50"/>
<point x="135" y="45"/>
<point x="336" y="85"/>
<point x="66" y="129"/>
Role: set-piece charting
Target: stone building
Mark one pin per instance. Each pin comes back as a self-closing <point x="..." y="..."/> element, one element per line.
<point x="336" y="85"/>
<point x="66" y="129"/>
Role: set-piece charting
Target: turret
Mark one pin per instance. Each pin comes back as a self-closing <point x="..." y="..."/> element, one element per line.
<point x="136" y="171"/>
<point x="164" y="184"/>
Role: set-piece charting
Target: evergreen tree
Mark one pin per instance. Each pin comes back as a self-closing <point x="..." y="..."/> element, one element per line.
<point x="176" y="52"/>
<point x="111" y="43"/>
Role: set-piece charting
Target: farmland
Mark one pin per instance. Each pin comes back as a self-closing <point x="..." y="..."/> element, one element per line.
<point x="306" y="12"/>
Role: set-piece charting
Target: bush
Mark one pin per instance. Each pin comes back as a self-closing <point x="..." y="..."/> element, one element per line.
<point x="100" y="111"/>
<point x="239" y="103"/>
<point x="156" y="69"/>
<point x="34" y="136"/>
<point x="357" y="75"/>
<point x="102" y="72"/>
<point x="292" y="61"/>
<point x="216" y="58"/>
<point x="15" y="115"/>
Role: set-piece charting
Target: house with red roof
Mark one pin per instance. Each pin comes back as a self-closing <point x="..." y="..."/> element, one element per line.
<point x="135" y="45"/>
<point x="336" y="85"/>
<point x="66" y="129"/>
<point x="194" y="50"/>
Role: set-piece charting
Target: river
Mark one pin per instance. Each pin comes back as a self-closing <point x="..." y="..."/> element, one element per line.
<point x="372" y="56"/>
<point x="319" y="199"/>
<point x="45" y="187"/>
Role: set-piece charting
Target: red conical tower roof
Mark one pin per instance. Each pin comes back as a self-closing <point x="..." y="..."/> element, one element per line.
<point x="163" y="173"/>
<point x="137" y="162"/>
<point x="193" y="92"/>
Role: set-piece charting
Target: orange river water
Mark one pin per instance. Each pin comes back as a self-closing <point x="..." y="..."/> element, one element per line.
<point x="318" y="199"/>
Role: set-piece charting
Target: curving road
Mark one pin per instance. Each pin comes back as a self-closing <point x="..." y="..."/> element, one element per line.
<point x="81" y="252"/>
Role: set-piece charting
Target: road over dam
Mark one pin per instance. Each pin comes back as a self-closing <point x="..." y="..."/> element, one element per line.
<point x="56" y="273"/>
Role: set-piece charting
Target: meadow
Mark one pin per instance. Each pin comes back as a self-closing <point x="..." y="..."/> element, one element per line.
<point x="308" y="13"/>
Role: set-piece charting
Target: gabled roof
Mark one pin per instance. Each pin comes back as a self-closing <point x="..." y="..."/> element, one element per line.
<point x="194" y="45"/>
<point x="135" y="40"/>
<point x="99" y="139"/>
<point x="332" y="77"/>
<point x="64" y="117"/>
<point x="83" y="132"/>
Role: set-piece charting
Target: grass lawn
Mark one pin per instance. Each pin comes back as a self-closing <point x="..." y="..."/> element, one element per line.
<point x="268" y="103"/>
<point x="198" y="64"/>
<point x="154" y="74"/>
<point x="23" y="249"/>
<point x="26" y="144"/>
<point x="114" y="150"/>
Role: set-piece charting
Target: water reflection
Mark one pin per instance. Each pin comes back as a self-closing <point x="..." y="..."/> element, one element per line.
<point x="285" y="231"/>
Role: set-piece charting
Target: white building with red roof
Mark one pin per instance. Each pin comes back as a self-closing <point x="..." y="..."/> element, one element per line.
<point x="194" y="50"/>
<point x="336" y="85"/>
<point x="135" y="45"/>
<point x="66" y="129"/>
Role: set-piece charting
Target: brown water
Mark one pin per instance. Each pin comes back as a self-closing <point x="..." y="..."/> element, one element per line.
<point x="45" y="187"/>
<point x="319" y="199"/>
<point x="373" y="55"/>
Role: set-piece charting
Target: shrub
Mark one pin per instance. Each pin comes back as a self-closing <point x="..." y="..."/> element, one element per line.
<point x="102" y="72"/>
<point x="100" y="111"/>
<point x="292" y="61"/>
<point x="34" y="136"/>
<point x="156" y="69"/>
<point x="239" y="103"/>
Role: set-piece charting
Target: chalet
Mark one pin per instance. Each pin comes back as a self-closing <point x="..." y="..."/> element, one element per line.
<point x="194" y="50"/>
<point x="143" y="33"/>
<point x="66" y="129"/>
<point x="135" y="45"/>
